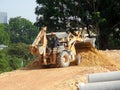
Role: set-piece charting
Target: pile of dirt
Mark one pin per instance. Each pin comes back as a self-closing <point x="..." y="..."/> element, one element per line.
<point x="113" y="54"/>
<point x="90" y="57"/>
<point x="93" y="57"/>
<point x="35" y="64"/>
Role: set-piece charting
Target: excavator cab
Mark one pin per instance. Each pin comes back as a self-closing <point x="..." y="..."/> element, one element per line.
<point x="52" y="41"/>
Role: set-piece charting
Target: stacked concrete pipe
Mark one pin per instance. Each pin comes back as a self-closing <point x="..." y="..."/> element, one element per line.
<point x="102" y="81"/>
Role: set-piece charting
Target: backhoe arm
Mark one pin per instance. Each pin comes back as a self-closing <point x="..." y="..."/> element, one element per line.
<point x="41" y="37"/>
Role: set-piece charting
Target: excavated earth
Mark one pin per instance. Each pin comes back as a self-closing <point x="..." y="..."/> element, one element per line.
<point x="34" y="77"/>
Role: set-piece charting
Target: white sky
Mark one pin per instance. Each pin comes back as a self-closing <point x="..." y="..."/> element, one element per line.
<point x="23" y="8"/>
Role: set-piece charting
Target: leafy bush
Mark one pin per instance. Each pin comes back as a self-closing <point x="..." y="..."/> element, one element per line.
<point x="14" y="57"/>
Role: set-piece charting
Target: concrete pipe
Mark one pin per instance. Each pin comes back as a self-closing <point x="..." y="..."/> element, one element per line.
<point x="112" y="85"/>
<point x="102" y="77"/>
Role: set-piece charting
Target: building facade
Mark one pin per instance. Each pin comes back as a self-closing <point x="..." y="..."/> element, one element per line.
<point x="3" y="17"/>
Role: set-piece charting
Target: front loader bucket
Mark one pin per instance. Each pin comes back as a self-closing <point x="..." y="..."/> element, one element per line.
<point x="82" y="45"/>
<point x="87" y="43"/>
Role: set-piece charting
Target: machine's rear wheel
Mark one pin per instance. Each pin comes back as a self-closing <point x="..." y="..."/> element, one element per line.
<point x="63" y="59"/>
<point x="78" y="59"/>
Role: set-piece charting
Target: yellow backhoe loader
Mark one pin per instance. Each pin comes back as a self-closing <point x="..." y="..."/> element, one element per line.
<point x="58" y="48"/>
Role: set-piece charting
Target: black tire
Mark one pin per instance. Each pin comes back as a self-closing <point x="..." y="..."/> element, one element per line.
<point x="63" y="59"/>
<point x="78" y="59"/>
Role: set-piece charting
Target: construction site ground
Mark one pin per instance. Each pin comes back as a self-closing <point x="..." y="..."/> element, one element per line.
<point x="33" y="77"/>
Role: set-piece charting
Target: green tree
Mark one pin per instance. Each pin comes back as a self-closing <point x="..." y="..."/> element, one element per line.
<point x="55" y="14"/>
<point x="14" y="57"/>
<point x="4" y="61"/>
<point x="22" y="30"/>
<point x="109" y="20"/>
<point x="4" y="37"/>
<point x="103" y="14"/>
<point x="20" y="51"/>
<point x="9" y="62"/>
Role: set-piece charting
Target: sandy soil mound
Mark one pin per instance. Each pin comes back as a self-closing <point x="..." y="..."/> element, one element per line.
<point x="47" y="79"/>
<point x="35" y="64"/>
<point x="113" y="54"/>
<point x="93" y="61"/>
<point x="90" y="57"/>
<point x="93" y="57"/>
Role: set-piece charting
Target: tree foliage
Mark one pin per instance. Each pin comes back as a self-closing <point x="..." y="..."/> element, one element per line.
<point x="4" y="37"/>
<point x="21" y="30"/>
<point x="109" y="10"/>
<point x="103" y="14"/>
<point x="55" y="14"/>
<point x="14" y="57"/>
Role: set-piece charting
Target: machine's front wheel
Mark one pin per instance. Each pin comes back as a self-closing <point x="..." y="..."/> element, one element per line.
<point x="63" y="59"/>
